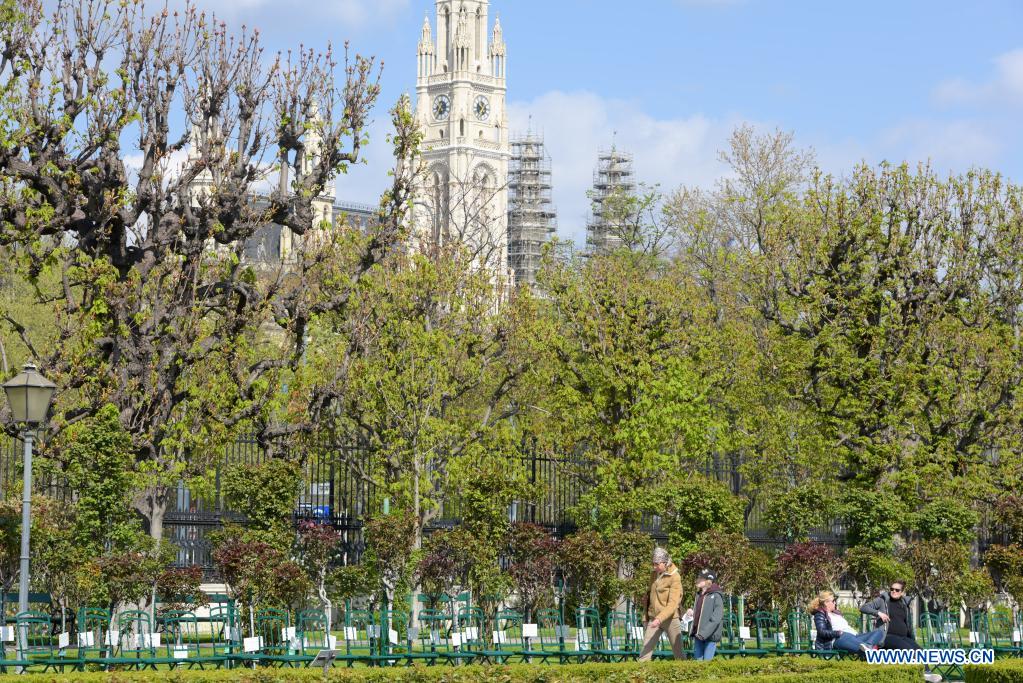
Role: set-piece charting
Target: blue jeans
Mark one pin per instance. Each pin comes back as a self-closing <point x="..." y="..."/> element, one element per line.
<point x="703" y="649"/>
<point x="851" y="643"/>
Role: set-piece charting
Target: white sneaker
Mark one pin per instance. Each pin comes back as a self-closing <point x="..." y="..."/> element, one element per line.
<point x="933" y="678"/>
<point x="865" y="648"/>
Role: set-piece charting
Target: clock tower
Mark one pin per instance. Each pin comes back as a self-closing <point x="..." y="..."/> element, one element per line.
<point x="460" y="106"/>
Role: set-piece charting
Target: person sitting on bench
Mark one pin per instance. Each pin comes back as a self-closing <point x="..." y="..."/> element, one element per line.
<point x="834" y="632"/>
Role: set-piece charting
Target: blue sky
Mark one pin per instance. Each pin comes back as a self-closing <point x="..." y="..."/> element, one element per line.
<point x="856" y="80"/>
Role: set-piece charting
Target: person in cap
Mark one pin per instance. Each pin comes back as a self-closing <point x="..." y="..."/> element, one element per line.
<point x="708" y="614"/>
<point x="663" y="607"/>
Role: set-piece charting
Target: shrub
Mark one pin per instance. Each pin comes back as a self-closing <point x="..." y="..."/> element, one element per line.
<point x="692" y="505"/>
<point x="771" y="670"/>
<point x="266" y="494"/>
<point x="938" y="568"/>
<point x="1002" y="671"/>
<point x="870" y="572"/>
<point x="633" y="551"/>
<point x="803" y="570"/>
<point x="742" y="569"/>
<point x="1009" y="514"/>
<point x="947" y="520"/>
<point x="588" y="565"/>
<point x="798" y="511"/>
<point x="532" y="555"/>
<point x="1005" y="563"/>
<point x="873" y="518"/>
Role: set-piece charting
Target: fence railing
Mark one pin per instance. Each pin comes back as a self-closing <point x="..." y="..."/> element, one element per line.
<point x="334" y="492"/>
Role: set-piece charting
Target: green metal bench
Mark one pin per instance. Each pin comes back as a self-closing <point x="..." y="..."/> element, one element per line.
<point x="620" y="643"/>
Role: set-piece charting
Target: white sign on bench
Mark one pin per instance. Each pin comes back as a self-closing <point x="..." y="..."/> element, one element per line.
<point x="530" y="631"/>
<point x="180" y="653"/>
<point x="639" y="633"/>
<point x="744" y="632"/>
<point x="500" y="637"/>
<point x="87" y="639"/>
<point x="63" y="640"/>
<point x="351" y="633"/>
<point x="253" y="644"/>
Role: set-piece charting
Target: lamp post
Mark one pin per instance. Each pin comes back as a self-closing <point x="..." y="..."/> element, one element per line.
<point x="29" y="394"/>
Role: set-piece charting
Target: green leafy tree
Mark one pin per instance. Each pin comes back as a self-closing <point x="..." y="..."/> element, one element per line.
<point x="614" y="361"/>
<point x="975" y="589"/>
<point x="589" y="568"/>
<point x="873" y="519"/>
<point x="1009" y="516"/>
<point x="266" y="495"/>
<point x="742" y="569"/>
<point x="947" y="520"/>
<point x="796" y="513"/>
<point x="389" y="553"/>
<point x="633" y="551"/>
<point x="692" y="504"/>
<point x="938" y="569"/>
<point x="870" y="572"/>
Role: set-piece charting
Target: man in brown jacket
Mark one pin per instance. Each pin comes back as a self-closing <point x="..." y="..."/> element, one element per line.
<point x="663" y="607"/>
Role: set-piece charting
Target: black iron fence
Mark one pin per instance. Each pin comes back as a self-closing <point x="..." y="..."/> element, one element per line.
<point x="334" y="492"/>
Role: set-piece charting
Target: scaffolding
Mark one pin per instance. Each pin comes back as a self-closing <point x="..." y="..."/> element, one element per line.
<point x="613" y="177"/>
<point x="532" y="218"/>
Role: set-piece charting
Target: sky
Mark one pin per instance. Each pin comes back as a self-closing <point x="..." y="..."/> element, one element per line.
<point x="668" y="80"/>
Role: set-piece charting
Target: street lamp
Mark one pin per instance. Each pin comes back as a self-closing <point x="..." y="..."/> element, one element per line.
<point x="29" y="394"/>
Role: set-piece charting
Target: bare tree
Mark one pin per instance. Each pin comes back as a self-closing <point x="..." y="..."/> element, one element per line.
<point x="463" y="210"/>
<point x="153" y="318"/>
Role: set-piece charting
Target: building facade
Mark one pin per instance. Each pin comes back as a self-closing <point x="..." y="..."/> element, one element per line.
<point x="460" y="107"/>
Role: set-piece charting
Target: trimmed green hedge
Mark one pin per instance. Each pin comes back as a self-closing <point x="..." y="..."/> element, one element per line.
<point x="1002" y="671"/>
<point x="771" y="670"/>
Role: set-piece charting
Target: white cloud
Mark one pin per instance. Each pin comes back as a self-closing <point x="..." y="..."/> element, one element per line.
<point x="576" y="125"/>
<point x="1005" y="85"/>
<point x="951" y="145"/>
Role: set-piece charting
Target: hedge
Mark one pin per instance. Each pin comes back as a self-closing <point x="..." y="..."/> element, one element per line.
<point x="772" y="670"/>
<point x="1002" y="671"/>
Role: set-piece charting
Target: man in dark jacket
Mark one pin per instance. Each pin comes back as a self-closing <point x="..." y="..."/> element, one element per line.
<point x="708" y="614"/>
<point x="893" y="612"/>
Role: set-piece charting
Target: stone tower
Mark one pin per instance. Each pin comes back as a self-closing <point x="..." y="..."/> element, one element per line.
<point x="460" y="107"/>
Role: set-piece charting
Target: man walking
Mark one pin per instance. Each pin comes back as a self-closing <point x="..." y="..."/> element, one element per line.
<point x="708" y="616"/>
<point x="663" y="604"/>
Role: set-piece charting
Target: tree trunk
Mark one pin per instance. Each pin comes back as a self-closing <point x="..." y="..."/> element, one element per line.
<point x="152" y="503"/>
<point x="417" y="542"/>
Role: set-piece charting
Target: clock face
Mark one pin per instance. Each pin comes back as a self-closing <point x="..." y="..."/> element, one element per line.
<point x="481" y="108"/>
<point x="441" y="107"/>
